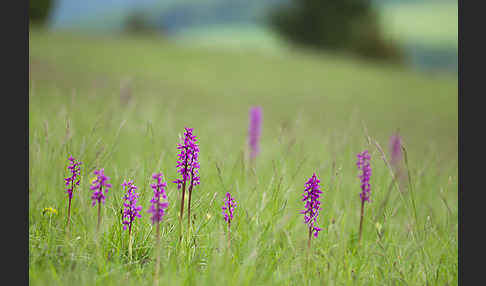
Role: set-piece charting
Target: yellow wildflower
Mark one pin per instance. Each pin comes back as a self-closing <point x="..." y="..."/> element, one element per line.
<point x="49" y="210"/>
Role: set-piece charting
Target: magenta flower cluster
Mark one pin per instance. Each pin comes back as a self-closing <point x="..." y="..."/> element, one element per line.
<point x="157" y="209"/>
<point x="188" y="160"/>
<point x="228" y="208"/>
<point x="311" y="197"/>
<point x="188" y="167"/>
<point x="131" y="210"/>
<point x="363" y="164"/>
<point x="254" y="131"/>
<point x="74" y="179"/>
<point x="97" y="186"/>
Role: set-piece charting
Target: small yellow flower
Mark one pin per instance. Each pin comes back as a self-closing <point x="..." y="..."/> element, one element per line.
<point x="49" y="210"/>
<point x="208" y="216"/>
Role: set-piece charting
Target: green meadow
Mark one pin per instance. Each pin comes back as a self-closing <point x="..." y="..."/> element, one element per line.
<point x="121" y="103"/>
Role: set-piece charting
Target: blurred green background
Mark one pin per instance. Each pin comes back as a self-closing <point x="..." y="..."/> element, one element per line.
<point x="426" y="31"/>
<point x="220" y="49"/>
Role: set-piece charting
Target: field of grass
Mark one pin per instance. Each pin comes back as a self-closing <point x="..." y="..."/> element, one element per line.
<point x="239" y="36"/>
<point x="318" y="113"/>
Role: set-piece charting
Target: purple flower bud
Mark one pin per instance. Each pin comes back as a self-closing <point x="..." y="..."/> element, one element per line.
<point x="97" y="186"/>
<point x="254" y="131"/>
<point x="74" y="179"/>
<point x="131" y="210"/>
<point x="157" y="209"/>
<point x="312" y="204"/>
<point x="228" y="208"/>
<point x="363" y="164"/>
<point x="188" y="160"/>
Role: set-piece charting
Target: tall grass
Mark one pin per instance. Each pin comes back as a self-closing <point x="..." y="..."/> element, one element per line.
<point x="410" y="241"/>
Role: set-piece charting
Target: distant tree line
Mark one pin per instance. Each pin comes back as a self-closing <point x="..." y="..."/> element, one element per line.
<point x="138" y="22"/>
<point x="39" y="11"/>
<point x="350" y="25"/>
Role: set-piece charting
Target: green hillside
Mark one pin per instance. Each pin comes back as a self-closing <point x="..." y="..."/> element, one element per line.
<point x="247" y="76"/>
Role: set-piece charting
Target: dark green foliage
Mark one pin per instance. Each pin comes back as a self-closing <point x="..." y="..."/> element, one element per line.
<point x="367" y="40"/>
<point x="137" y="22"/>
<point x="39" y="10"/>
<point x="350" y="25"/>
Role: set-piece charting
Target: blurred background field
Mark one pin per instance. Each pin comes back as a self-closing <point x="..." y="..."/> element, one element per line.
<point x="335" y="90"/>
<point x="120" y="99"/>
<point x="427" y="30"/>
